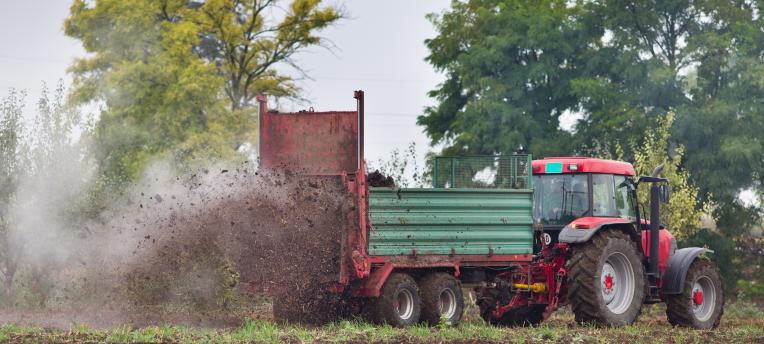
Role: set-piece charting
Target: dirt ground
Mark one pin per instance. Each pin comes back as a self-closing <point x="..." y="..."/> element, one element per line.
<point x="742" y="324"/>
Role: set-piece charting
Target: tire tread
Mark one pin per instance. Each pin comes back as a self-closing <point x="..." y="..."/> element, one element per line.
<point x="582" y="269"/>
<point x="679" y="307"/>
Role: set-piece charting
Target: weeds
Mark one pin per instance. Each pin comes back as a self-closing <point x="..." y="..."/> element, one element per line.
<point x="742" y="324"/>
<point x="743" y="309"/>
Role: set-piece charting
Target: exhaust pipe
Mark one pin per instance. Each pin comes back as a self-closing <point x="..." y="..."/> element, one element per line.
<point x="655" y="207"/>
<point x="658" y="170"/>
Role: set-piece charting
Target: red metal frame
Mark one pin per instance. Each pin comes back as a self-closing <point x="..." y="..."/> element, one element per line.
<point x="664" y="250"/>
<point x="585" y="165"/>
<point x="549" y="269"/>
<point x="457" y="259"/>
<point x="596" y="222"/>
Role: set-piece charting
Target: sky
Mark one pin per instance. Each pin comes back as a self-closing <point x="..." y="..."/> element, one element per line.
<point x="379" y="48"/>
<point x="33" y="48"/>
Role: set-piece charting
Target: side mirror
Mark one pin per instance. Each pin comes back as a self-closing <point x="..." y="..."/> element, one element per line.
<point x="664" y="188"/>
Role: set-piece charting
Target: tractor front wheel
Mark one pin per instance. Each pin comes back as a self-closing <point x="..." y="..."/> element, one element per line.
<point x="606" y="279"/>
<point x="701" y="303"/>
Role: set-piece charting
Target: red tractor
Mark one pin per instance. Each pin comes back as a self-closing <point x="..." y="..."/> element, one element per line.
<point x="593" y="240"/>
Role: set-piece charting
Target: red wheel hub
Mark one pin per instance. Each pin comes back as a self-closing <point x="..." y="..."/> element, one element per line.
<point x="697" y="297"/>
<point x="609" y="282"/>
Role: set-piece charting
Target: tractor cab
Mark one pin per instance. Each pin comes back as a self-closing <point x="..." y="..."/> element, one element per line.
<point x="584" y="191"/>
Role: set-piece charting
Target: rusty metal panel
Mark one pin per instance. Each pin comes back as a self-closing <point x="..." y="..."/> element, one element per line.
<point x="450" y="221"/>
<point x="312" y="142"/>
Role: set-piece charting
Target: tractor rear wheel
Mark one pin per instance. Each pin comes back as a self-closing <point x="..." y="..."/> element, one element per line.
<point x="441" y="298"/>
<point x="399" y="303"/>
<point x="606" y="279"/>
<point x="701" y="303"/>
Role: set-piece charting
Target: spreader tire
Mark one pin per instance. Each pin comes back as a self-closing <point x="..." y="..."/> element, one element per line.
<point x="690" y="309"/>
<point x="441" y="297"/>
<point x="530" y="315"/>
<point x="487" y="304"/>
<point x="606" y="279"/>
<point x="399" y="303"/>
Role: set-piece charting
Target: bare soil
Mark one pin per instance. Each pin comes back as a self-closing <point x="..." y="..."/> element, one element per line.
<point x="377" y="179"/>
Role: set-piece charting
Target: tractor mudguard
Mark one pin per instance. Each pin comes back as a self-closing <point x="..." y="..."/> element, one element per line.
<point x="676" y="271"/>
<point x="582" y="229"/>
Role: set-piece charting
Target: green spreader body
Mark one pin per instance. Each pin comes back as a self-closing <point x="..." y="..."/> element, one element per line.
<point x="450" y="221"/>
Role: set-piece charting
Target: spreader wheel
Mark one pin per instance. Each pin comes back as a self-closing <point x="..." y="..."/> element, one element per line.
<point x="606" y="280"/>
<point x="441" y="298"/>
<point x="399" y="303"/>
<point x="701" y="303"/>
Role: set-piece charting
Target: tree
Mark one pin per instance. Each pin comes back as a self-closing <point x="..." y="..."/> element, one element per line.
<point x="620" y="65"/>
<point x="634" y="77"/>
<point x="12" y="167"/>
<point x="508" y="67"/>
<point x="44" y="171"/>
<point x="245" y="44"/>
<point x="175" y="78"/>
<point x="685" y="209"/>
<point x="701" y="58"/>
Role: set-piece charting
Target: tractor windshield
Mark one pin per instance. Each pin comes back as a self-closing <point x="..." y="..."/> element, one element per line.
<point x="560" y="198"/>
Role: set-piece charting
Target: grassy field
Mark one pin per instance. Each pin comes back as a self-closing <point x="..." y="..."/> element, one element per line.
<point x="741" y="324"/>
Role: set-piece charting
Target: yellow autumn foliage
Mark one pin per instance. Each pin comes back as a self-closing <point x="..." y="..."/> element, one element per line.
<point x="685" y="208"/>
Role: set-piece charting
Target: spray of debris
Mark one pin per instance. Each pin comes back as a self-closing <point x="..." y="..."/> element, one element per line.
<point x="185" y="249"/>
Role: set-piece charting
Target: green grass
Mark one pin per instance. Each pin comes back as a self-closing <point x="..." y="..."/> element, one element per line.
<point x="741" y="324"/>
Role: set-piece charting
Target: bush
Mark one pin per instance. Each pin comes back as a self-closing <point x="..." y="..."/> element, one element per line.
<point x="723" y="256"/>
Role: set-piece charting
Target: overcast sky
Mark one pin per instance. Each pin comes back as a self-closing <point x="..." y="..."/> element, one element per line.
<point x="379" y="49"/>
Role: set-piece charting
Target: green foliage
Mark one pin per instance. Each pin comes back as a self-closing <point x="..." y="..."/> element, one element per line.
<point x="725" y="256"/>
<point x="750" y="255"/>
<point x="12" y="166"/>
<point x="44" y="170"/>
<point x="11" y="144"/>
<point x="257" y="331"/>
<point x="175" y="79"/>
<point x="508" y="66"/>
<point x="685" y="209"/>
<point x="513" y="67"/>
<point x="751" y="290"/>
<point x="246" y="44"/>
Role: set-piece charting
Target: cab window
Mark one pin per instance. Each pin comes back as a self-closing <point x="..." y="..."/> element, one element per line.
<point x="612" y="196"/>
<point x="560" y="198"/>
<point x="603" y="195"/>
<point x="624" y="198"/>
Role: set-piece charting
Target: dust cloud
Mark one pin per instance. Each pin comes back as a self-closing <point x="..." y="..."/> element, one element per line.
<point x="198" y="249"/>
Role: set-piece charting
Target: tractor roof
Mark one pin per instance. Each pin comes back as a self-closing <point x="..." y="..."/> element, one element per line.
<point x="576" y="164"/>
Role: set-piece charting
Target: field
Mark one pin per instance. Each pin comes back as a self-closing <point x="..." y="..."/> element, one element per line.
<point x="742" y="324"/>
